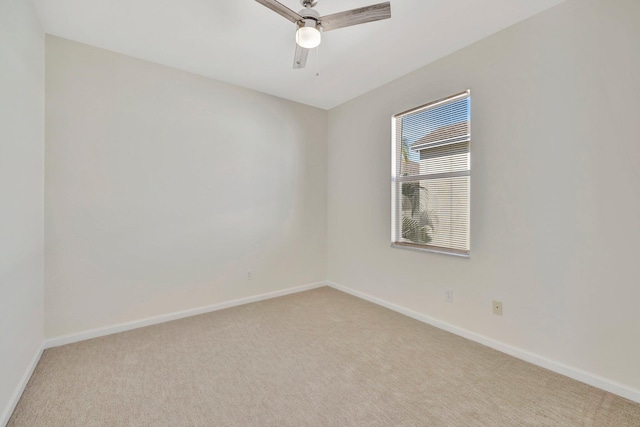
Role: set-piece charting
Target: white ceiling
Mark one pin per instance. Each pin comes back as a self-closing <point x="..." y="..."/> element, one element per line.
<point x="244" y="43"/>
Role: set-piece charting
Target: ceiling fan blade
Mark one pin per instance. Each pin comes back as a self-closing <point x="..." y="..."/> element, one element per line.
<point x="351" y="17"/>
<point x="281" y="9"/>
<point x="300" y="58"/>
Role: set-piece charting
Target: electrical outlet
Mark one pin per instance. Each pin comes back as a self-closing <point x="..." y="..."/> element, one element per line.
<point x="249" y="275"/>
<point x="448" y="295"/>
<point x="497" y="308"/>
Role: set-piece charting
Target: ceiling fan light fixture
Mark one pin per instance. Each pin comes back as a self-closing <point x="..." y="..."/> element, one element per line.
<point x="308" y="36"/>
<point x="311" y="25"/>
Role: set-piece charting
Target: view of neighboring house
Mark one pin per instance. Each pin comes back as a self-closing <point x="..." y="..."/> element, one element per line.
<point x="444" y="198"/>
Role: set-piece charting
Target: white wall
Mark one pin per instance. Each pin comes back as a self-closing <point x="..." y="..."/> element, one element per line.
<point x="21" y="194"/>
<point x="164" y="189"/>
<point x="555" y="190"/>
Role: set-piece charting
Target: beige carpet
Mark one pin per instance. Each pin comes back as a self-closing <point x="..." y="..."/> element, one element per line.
<point x="318" y="358"/>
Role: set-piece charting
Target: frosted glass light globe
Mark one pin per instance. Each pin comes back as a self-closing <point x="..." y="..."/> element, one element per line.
<point x="308" y="37"/>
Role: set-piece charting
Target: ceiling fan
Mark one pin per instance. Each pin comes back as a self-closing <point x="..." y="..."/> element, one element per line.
<point x="310" y="22"/>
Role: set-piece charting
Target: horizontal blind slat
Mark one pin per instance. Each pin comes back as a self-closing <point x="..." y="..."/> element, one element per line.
<point x="412" y="178"/>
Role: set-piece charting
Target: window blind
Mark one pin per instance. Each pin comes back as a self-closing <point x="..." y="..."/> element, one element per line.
<point x="431" y="176"/>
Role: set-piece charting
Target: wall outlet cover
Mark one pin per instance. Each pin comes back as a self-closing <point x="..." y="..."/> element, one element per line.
<point x="448" y="295"/>
<point x="497" y="308"/>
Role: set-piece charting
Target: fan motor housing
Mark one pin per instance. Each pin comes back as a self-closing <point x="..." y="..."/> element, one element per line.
<point x="309" y="14"/>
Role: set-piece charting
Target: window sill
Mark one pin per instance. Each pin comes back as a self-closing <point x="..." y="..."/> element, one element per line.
<point x="426" y="249"/>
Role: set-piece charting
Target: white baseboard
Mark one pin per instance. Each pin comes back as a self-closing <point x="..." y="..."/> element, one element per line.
<point x="114" y="329"/>
<point x="8" y="410"/>
<point x="560" y="368"/>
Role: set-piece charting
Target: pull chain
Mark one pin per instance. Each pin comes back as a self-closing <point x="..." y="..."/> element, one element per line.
<point x="318" y="61"/>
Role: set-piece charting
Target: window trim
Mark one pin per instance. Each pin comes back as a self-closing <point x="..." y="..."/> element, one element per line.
<point x="395" y="178"/>
<point x="432" y="249"/>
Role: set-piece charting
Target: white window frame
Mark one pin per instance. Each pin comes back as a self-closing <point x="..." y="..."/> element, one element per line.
<point x="395" y="179"/>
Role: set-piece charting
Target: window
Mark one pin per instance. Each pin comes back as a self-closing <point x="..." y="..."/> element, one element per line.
<point x="431" y="176"/>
